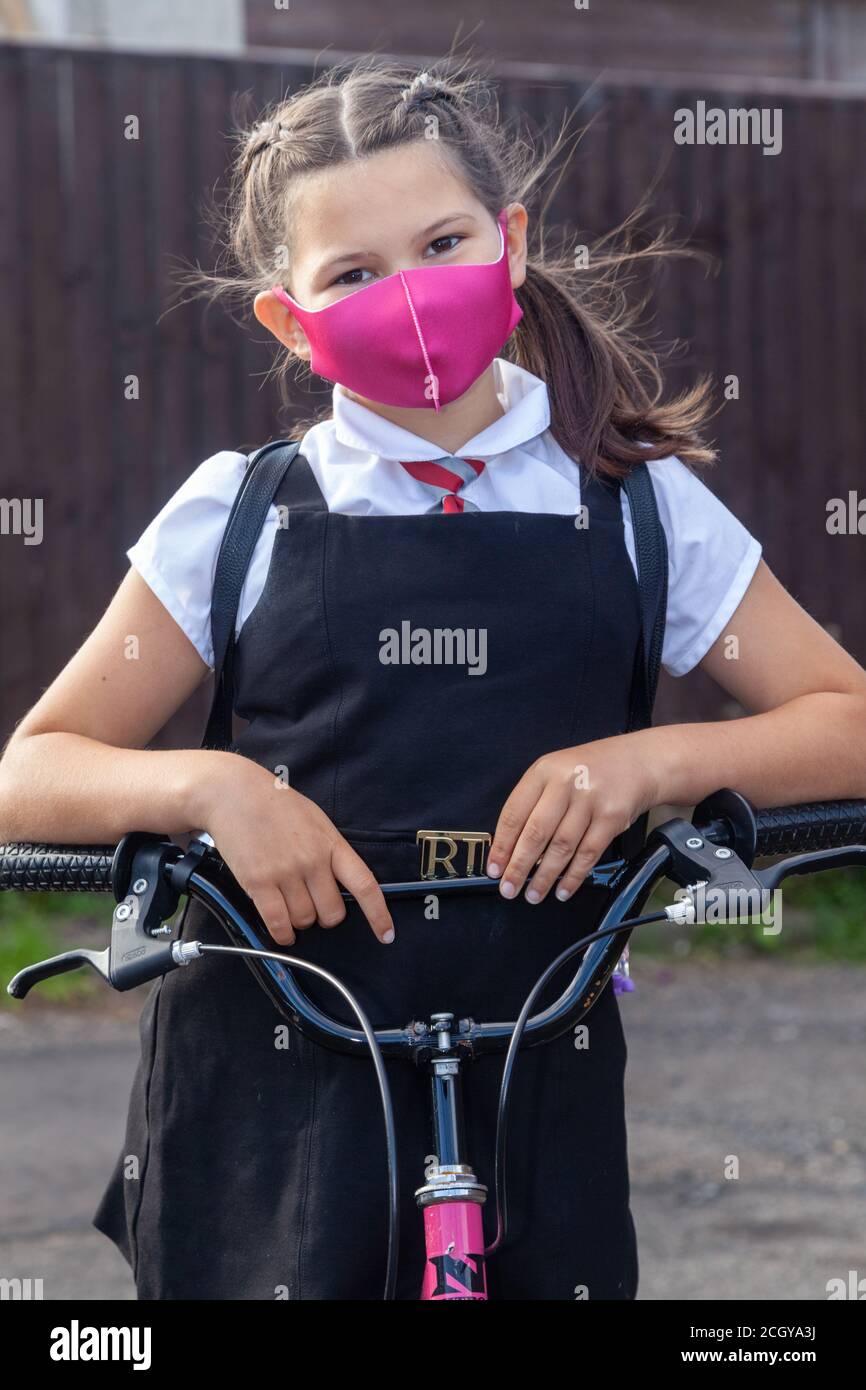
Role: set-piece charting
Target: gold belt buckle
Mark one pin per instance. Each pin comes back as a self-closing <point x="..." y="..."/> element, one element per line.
<point x="477" y="843"/>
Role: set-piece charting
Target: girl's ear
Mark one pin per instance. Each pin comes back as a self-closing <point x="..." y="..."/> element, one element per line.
<point x="518" y="220"/>
<point x="280" y="321"/>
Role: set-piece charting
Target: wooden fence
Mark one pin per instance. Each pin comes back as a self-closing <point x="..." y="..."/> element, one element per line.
<point x="92" y="220"/>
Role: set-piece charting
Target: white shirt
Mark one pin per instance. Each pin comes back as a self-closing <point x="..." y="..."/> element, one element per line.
<point x="356" y="460"/>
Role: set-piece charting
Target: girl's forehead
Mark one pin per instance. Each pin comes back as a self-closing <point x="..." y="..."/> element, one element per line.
<point x="386" y="195"/>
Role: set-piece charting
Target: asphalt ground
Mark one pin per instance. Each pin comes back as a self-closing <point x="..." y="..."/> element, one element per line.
<point x="747" y="1132"/>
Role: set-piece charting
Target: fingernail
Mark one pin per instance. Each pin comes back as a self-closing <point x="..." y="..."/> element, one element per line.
<point x="493" y="870"/>
<point x="533" y="896"/>
<point x="563" y="894"/>
<point x="388" y="936"/>
<point x="507" y="889"/>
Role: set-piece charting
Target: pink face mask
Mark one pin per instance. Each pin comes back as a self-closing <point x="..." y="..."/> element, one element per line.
<point x="418" y="338"/>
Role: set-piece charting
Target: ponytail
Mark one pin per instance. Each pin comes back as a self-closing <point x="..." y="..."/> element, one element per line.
<point x="605" y="390"/>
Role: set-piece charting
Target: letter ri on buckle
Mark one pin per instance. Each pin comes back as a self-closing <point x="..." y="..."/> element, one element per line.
<point x="449" y="841"/>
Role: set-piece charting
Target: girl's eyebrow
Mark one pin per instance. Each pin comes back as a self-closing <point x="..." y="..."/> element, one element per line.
<point x="361" y="255"/>
<point x="449" y="217"/>
<point x="345" y="256"/>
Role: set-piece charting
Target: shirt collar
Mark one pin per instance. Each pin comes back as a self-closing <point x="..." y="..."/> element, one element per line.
<point x="523" y="397"/>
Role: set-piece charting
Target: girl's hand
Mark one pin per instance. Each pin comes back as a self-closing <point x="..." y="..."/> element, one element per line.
<point x="566" y="809"/>
<point x="284" y="851"/>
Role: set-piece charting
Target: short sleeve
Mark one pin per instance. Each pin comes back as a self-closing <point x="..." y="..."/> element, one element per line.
<point x="712" y="559"/>
<point x="176" y="555"/>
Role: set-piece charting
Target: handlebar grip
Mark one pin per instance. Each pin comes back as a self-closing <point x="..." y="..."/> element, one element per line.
<point x="56" y="868"/>
<point x="814" y="825"/>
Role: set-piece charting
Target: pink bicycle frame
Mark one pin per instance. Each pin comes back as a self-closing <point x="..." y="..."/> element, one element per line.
<point x="455" y="1252"/>
<point x="451" y="1198"/>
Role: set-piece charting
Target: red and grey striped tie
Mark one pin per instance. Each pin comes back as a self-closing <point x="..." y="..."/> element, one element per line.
<point x="445" y="477"/>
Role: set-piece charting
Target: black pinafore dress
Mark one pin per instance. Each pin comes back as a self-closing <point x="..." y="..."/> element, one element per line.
<point x="255" y="1168"/>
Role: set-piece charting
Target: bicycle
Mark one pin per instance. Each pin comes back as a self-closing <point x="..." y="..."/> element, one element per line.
<point x="148" y="874"/>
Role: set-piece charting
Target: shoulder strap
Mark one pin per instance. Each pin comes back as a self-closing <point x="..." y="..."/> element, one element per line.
<point x="652" y="567"/>
<point x="266" y="470"/>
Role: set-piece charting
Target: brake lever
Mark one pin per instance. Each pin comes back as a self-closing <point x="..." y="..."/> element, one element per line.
<point x="838" y="858"/>
<point x="151" y="876"/>
<point x="32" y="975"/>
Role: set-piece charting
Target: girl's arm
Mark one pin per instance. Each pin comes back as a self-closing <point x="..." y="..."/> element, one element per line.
<point x="803" y="739"/>
<point x="76" y="770"/>
<point x="804" y="736"/>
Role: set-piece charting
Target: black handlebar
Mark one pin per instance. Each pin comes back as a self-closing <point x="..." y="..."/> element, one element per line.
<point x="56" y="868"/>
<point x="148" y="874"/>
<point x="814" y="825"/>
<point x="32" y="868"/>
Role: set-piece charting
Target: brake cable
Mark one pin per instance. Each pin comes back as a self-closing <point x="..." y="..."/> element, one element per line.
<point x="184" y="952"/>
<point x="499" y="1186"/>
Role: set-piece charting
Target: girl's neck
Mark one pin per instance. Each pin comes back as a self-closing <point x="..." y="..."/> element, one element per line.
<point x="452" y="426"/>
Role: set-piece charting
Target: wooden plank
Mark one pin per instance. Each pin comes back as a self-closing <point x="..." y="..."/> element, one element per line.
<point x="89" y="297"/>
<point x="50" y="439"/>
<point x="740" y="36"/>
<point x="776" y="455"/>
<point x="846" y="401"/>
<point x="737" y="346"/>
<point x="212" y="386"/>
<point x="134" y="307"/>
<point x="19" y="564"/>
<point x="176" y="436"/>
<point x="812" y="552"/>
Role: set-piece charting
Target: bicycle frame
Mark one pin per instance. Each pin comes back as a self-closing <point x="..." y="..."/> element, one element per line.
<point x="451" y="1197"/>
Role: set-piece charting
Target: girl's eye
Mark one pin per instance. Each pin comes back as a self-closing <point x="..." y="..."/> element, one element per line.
<point x="352" y="277"/>
<point x="439" y="247"/>
<point x="444" y="243"/>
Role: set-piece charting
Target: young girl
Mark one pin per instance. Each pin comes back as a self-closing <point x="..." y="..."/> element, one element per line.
<point x="377" y="221"/>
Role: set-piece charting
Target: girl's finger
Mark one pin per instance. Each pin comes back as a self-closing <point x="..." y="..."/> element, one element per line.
<point x="512" y="819"/>
<point x="274" y="912"/>
<point x="541" y="823"/>
<point x="302" y="909"/>
<point x="350" y="869"/>
<point x="559" y="853"/>
<point x="595" y="841"/>
<point x="325" y="893"/>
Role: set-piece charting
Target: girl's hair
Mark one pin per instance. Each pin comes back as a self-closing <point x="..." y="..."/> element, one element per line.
<point x="578" y="330"/>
